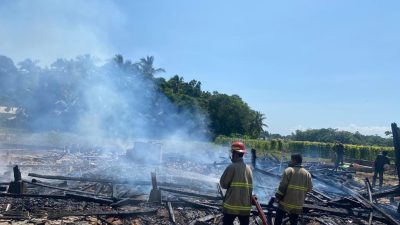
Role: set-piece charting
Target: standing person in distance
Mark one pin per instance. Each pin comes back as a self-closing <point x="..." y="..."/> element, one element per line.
<point x="296" y="182"/>
<point x="339" y="150"/>
<point x="379" y="164"/>
<point x="238" y="180"/>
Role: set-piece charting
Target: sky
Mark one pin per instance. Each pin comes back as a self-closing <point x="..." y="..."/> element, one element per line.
<point x="303" y="63"/>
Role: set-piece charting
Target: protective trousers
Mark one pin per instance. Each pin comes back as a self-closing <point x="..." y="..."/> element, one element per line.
<point x="293" y="218"/>
<point x="229" y="218"/>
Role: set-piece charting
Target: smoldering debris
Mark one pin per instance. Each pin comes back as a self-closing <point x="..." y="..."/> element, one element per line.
<point x="90" y="187"/>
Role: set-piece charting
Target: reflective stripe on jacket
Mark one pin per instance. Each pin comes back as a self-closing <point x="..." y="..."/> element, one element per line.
<point x="238" y="180"/>
<point x="296" y="182"/>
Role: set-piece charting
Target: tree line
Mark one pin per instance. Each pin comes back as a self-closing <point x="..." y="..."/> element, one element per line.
<point x="330" y="135"/>
<point x="122" y="94"/>
<point x="310" y="149"/>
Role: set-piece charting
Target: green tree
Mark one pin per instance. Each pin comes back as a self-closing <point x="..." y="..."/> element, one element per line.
<point x="257" y="124"/>
<point x="145" y="66"/>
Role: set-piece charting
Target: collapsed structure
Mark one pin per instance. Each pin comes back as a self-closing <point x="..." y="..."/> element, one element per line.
<point x="89" y="185"/>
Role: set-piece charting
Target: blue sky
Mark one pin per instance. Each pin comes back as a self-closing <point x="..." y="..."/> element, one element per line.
<point x="304" y="64"/>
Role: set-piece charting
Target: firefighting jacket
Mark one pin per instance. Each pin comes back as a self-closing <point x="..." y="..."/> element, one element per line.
<point x="296" y="182"/>
<point x="238" y="180"/>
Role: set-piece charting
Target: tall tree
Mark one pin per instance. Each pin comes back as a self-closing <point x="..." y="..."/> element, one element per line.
<point x="145" y="66"/>
<point x="257" y="124"/>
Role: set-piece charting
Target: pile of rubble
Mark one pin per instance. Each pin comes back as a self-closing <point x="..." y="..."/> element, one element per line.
<point x="97" y="186"/>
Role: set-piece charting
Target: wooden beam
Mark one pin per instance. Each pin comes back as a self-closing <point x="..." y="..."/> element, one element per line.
<point x="62" y="189"/>
<point x="193" y="194"/>
<point x="171" y="213"/>
<point x="59" y="215"/>
<point x="198" y="205"/>
<point x="85" y="179"/>
<point x="396" y="143"/>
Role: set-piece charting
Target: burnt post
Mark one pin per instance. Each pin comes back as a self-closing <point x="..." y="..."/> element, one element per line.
<point x="17" y="174"/>
<point x="396" y="142"/>
<point x="155" y="193"/>
<point x="253" y="157"/>
<point x="17" y="186"/>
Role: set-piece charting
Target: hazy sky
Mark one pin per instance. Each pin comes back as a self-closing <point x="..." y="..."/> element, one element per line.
<point x="303" y="63"/>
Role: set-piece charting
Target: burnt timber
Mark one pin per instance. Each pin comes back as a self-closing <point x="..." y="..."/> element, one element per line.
<point x="121" y="195"/>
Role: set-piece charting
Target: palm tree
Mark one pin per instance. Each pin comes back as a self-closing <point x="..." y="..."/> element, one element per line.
<point x="145" y="66"/>
<point x="257" y="124"/>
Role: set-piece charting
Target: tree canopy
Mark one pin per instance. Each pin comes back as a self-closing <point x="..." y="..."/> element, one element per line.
<point x="333" y="135"/>
<point x="118" y="97"/>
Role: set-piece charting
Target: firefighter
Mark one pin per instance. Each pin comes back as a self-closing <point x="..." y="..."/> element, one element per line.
<point x="296" y="182"/>
<point x="379" y="164"/>
<point x="238" y="180"/>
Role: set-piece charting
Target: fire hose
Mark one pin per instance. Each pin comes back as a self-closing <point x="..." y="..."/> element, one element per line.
<point x="259" y="209"/>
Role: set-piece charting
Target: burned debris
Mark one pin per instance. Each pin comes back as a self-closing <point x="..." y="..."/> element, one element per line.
<point x="93" y="186"/>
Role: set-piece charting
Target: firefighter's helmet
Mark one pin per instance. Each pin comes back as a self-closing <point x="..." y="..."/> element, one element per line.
<point x="238" y="146"/>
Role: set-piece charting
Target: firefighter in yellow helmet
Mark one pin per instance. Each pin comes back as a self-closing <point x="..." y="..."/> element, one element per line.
<point x="238" y="180"/>
<point x="296" y="182"/>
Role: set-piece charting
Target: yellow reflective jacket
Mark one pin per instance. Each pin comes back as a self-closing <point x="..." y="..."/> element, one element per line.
<point x="296" y="182"/>
<point x="238" y="180"/>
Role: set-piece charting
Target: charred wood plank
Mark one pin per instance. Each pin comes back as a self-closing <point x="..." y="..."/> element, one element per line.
<point x="61" y="189"/>
<point x="193" y="194"/>
<point x="392" y="191"/>
<point x="368" y="187"/>
<point x="333" y="211"/>
<point x="13" y="217"/>
<point x="322" y="194"/>
<point x="345" y="203"/>
<point x="369" y="190"/>
<point x="89" y="187"/>
<point x="67" y="196"/>
<point x="99" y="188"/>
<point x="171" y="213"/>
<point x="308" y="208"/>
<point x="127" y="201"/>
<point x="317" y="197"/>
<point x="58" y="215"/>
<point x="88" y="198"/>
<point x="85" y="179"/>
<point x="123" y="193"/>
<point x="107" y="181"/>
<point x="396" y="143"/>
<point x="32" y="196"/>
<point x="199" y="205"/>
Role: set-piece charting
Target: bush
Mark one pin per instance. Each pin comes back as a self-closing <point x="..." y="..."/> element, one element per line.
<point x="307" y="148"/>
